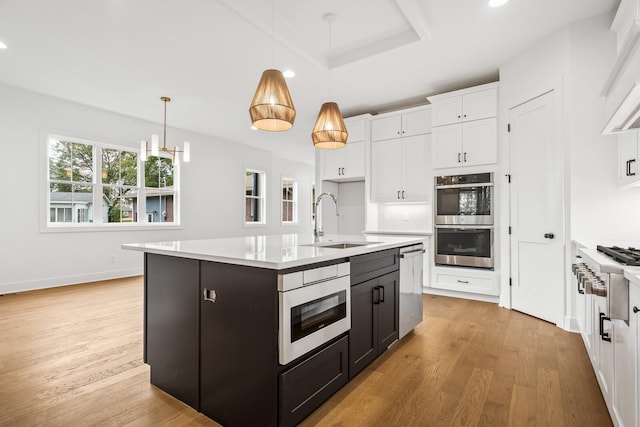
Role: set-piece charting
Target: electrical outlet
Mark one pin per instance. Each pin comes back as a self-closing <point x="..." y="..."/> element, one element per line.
<point x="405" y="216"/>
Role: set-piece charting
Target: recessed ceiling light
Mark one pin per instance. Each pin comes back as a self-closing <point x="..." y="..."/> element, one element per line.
<point x="3" y="46"/>
<point x="288" y="74"/>
<point x="497" y="3"/>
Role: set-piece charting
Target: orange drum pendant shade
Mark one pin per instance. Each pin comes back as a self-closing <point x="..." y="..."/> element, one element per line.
<point x="329" y="131"/>
<point x="272" y="108"/>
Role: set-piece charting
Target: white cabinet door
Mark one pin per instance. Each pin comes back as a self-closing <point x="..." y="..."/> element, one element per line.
<point x="480" y="105"/>
<point x="333" y="163"/>
<point x="386" y="128"/>
<point x="354" y="160"/>
<point x="386" y="169"/>
<point x="355" y="128"/>
<point x="447" y="111"/>
<point x="480" y="142"/>
<point x="628" y="158"/>
<point x="447" y="146"/>
<point x="416" y="122"/>
<point x="624" y="387"/>
<point x="604" y="351"/>
<point x="416" y="184"/>
<point x="634" y="323"/>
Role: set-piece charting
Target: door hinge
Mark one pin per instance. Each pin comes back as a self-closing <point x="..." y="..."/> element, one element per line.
<point x="508" y="178"/>
<point x="510" y="282"/>
<point x="509" y="229"/>
<point x="509" y="127"/>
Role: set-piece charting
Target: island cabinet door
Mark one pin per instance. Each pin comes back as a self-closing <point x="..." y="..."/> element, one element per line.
<point x="171" y="328"/>
<point x="239" y="344"/>
<point x="363" y="336"/>
<point x="387" y="310"/>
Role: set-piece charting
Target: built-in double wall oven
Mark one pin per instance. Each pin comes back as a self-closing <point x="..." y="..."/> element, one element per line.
<point x="463" y="219"/>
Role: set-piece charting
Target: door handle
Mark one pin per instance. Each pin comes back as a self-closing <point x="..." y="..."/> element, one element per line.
<point x="549" y="235"/>
<point x="209" y="295"/>
<point x="604" y="335"/>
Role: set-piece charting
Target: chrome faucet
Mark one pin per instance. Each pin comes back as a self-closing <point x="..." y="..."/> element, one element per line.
<point x="317" y="233"/>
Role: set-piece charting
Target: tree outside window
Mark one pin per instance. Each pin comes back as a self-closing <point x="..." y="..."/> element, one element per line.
<point x="289" y="202"/>
<point x="254" y="185"/>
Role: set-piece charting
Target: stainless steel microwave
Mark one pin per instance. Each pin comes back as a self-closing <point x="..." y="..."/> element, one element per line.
<point x="464" y="199"/>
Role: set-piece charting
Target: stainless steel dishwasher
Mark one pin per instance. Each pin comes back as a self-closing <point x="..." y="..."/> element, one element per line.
<point x="411" y="272"/>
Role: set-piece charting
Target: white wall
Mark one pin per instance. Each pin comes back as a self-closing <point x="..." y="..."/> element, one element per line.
<point x="574" y="62"/>
<point x="212" y="193"/>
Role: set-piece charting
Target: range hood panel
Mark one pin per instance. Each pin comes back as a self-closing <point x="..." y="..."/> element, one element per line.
<point x="627" y="115"/>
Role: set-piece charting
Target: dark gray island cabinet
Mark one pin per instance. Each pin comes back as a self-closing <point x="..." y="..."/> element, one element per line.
<point x="211" y="333"/>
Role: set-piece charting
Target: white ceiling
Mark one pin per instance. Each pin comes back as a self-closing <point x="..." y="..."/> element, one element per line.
<point x="207" y="55"/>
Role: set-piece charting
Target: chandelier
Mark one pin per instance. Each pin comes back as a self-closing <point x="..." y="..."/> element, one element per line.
<point x="155" y="148"/>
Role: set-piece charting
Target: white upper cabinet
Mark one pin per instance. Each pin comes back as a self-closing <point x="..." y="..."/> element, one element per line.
<point x="397" y="125"/>
<point x="628" y="158"/>
<point x="400" y="169"/>
<point x="347" y="164"/>
<point x="462" y="108"/>
<point x="465" y="127"/>
<point x="400" y="148"/>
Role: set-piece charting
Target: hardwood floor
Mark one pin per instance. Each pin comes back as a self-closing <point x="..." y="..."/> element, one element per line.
<point x="72" y="356"/>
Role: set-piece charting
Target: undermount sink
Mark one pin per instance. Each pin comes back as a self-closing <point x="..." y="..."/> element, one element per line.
<point x="340" y="245"/>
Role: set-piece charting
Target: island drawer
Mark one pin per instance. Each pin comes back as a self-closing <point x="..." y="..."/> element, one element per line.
<point x="304" y="387"/>
<point x="369" y="266"/>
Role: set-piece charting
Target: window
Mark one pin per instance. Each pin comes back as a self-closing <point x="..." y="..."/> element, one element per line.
<point x="254" y="189"/>
<point x="97" y="184"/>
<point x="159" y="189"/>
<point x="289" y="201"/>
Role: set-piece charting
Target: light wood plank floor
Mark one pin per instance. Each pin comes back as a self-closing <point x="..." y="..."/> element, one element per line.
<point x="72" y="356"/>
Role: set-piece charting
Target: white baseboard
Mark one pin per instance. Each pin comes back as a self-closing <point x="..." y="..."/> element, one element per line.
<point x="464" y="295"/>
<point x="52" y="282"/>
<point x="570" y="324"/>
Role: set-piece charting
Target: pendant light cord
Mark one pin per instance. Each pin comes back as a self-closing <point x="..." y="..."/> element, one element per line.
<point x="164" y="135"/>
<point x="273" y="13"/>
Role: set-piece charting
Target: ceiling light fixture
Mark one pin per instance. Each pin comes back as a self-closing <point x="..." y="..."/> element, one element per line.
<point x="329" y="132"/>
<point x="155" y="149"/>
<point x="497" y="3"/>
<point x="288" y="74"/>
<point x="272" y="108"/>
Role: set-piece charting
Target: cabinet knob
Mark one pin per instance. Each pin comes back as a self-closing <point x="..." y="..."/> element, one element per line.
<point x="458" y="115"/>
<point x="549" y="235"/>
<point x="636" y="309"/>
<point x="209" y="295"/>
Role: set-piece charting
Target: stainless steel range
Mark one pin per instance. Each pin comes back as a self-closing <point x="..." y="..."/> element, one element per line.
<point x="629" y="256"/>
<point x="600" y="273"/>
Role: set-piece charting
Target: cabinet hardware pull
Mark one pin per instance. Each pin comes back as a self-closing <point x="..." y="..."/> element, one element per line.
<point x="376" y="297"/>
<point x="209" y="295"/>
<point x="398" y="196"/>
<point x="632" y="161"/>
<point x="463" y="281"/>
<point x="458" y="157"/>
<point x="549" y="235"/>
<point x="604" y="335"/>
<point x="465" y="155"/>
<point x="381" y="293"/>
<point x="465" y="115"/>
<point x="636" y="309"/>
<point x="403" y="194"/>
<point x="343" y="171"/>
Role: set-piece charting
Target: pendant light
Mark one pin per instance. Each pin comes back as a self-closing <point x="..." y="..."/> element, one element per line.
<point x="329" y="131"/>
<point x="155" y="149"/>
<point x="272" y="108"/>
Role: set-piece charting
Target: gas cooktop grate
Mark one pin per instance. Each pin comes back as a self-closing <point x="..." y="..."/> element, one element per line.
<point x="629" y="256"/>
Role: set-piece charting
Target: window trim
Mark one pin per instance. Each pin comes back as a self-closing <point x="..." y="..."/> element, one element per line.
<point x="263" y="198"/>
<point x="44" y="205"/>
<point x="294" y="201"/>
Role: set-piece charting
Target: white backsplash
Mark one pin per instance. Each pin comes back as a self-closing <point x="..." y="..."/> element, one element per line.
<point x="405" y="217"/>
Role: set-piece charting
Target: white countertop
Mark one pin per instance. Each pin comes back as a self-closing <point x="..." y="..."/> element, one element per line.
<point x="632" y="274"/>
<point x="274" y="252"/>
<point x="398" y="232"/>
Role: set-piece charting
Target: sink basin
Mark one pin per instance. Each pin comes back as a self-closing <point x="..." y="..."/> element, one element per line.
<point x="340" y="245"/>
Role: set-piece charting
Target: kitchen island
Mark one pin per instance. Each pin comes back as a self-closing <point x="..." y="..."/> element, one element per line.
<point x="222" y="335"/>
